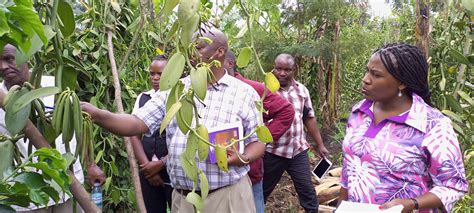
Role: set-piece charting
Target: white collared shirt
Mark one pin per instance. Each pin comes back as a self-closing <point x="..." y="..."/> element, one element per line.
<point x="22" y="144"/>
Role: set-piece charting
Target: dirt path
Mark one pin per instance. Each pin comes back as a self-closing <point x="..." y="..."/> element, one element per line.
<point x="284" y="197"/>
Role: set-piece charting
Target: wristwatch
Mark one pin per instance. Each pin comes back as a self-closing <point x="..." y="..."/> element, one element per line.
<point x="417" y="206"/>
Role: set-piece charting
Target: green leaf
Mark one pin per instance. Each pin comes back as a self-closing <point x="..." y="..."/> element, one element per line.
<point x="191" y="147"/>
<point x="468" y="4"/>
<point x="31" y="179"/>
<point x="36" y="45"/>
<point x="4" y="28"/>
<point x="51" y="173"/>
<point x="190" y="168"/>
<point x="6" y="151"/>
<point x="271" y="82"/>
<point x="187" y="9"/>
<point x="52" y="193"/>
<point x="188" y="29"/>
<point x="203" y="147"/>
<point x="204" y="185"/>
<point x="196" y="200"/>
<point x="69" y="158"/>
<point x="26" y="99"/>
<point x="66" y="15"/>
<point x="16" y="122"/>
<point x="69" y="78"/>
<point x="453" y="103"/>
<point x="458" y="56"/>
<point x="242" y="31"/>
<point x="186" y="114"/>
<point x="172" y="72"/>
<point x="115" y="195"/>
<point x="170" y="115"/>
<point x="244" y="57"/>
<point x="38" y="196"/>
<point x="172" y="31"/>
<point x="466" y="97"/>
<point x="28" y="19"/>
<point x="263" y="134"/>
<point x="174" y="94"/>
<point x="221" y="157"/>
<point x="199" y="81"/>
<point x="452" y="115"/>
<point x="229" y="6"/>
<point x="168" y="7"/>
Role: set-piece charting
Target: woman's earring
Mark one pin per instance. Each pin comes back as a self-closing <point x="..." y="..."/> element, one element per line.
<point x="399" y="93"/>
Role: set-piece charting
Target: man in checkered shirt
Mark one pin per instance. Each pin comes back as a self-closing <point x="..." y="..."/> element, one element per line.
<point x="289" y="153"/>
<point x="228" y="100"/>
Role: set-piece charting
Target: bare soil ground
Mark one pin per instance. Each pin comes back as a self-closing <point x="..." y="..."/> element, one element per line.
<point x="284" y="197"/>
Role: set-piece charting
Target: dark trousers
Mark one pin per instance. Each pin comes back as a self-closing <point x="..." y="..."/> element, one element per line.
<point x="299" y="170"/>
<point x="155" y="198"/>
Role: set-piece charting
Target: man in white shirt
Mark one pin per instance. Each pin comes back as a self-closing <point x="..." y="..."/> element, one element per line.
<point x="17" y="75"/>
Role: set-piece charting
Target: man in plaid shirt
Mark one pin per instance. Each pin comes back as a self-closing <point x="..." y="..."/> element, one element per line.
<point x="228" y="100"/>
<point x="289" y="153"/>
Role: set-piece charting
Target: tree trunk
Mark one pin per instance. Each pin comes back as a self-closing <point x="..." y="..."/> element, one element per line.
<point x="335" y="79"/>
<point x="128" y="145"/>
<point x="77" y="190"/>
<point x="422" y="25"/>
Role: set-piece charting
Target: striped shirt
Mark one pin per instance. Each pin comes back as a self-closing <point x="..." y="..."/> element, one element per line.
<point x="293" y="141"/>
<point x="231" y="100"/>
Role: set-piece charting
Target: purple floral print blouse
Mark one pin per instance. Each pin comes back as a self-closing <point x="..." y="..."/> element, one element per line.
<point x="403" y="156"/>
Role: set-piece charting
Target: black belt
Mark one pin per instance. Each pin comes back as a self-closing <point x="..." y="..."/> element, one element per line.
<point x="185" y="192"/>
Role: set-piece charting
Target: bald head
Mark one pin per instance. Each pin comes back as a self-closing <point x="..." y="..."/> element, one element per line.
<point x="11" y="73"/>
<point x="216" y="50"/>
<point x="219" y="39"/>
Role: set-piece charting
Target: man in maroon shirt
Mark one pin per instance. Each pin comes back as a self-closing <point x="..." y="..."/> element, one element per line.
<point x="278" y="120"/>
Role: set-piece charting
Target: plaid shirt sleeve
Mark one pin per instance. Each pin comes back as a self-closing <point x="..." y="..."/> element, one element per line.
<point x="250" y="114"/>
<point x="153" y="112"/>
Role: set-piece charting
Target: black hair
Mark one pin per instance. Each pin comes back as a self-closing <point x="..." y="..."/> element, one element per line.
<point x="407" y="63"/>
<point x="159" y="58"/>
<point x="231" y="56"/>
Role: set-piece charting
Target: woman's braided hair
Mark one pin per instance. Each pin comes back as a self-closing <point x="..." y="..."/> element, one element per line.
<point x="407" y="64"/>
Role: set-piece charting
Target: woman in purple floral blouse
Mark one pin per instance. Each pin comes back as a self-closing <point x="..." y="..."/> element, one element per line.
<point x="399" y="149"/>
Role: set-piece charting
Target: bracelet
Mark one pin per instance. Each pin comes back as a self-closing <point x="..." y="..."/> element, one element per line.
<point x="416" y="203"/>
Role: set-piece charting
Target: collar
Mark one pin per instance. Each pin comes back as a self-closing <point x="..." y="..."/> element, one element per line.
<point x="293" y="84"/>
<point x="225" y="80"/>
<point x="416" y="116"/>
<point x="3" y="87"/>
<point x="151" y="92"/>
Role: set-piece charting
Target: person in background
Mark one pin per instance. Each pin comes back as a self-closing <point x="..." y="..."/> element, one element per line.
<point x="151" y="151"/>
<point x="398" y="149"/>
<point x="289" y="153"/>
<point x="17" y="75"/>
<point x="227" y="100"/>
<point x="278" y="119"/>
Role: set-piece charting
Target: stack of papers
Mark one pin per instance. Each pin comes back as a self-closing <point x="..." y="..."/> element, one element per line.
<point x="346" y="207"/>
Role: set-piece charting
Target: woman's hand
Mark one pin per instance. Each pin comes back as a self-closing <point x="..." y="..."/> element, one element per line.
<point x="408" y="204"/>
<point x="152" y="168"/>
